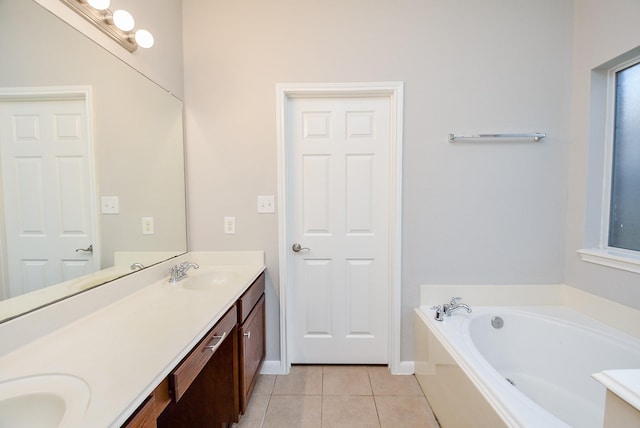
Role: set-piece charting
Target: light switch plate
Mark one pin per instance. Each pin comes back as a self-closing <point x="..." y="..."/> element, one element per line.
<point x="266" y="204"/>
<point x="110" y="205"/>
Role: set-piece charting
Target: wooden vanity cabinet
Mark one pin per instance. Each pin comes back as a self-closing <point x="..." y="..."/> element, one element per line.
<point x="251" y="336"/>
<point x="211" y="386"/>
<point x="151" y="408"/>
<point x="204" y="386"/>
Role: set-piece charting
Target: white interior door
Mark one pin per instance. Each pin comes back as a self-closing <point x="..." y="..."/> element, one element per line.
<point x="338" y="151"/>
<point x="47" y="192"/>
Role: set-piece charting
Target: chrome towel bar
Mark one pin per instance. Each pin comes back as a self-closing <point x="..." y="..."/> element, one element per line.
<point x="537" y="136"/>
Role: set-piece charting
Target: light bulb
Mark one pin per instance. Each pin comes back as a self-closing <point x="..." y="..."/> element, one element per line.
<point x="123" y="20"/>
<point x="99" y="4"/>
<point x="144" y="39"/>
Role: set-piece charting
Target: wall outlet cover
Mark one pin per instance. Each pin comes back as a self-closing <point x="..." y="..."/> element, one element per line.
<point x="147" y="226"/>
<point x="230" y="225"/>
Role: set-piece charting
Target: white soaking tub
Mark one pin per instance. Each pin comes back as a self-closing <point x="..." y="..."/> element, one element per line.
<point x="530" y="367"/>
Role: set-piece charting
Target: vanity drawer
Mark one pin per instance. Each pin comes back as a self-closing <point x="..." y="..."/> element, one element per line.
<point x="250" y="298"/>
<point x="191" y="366"/>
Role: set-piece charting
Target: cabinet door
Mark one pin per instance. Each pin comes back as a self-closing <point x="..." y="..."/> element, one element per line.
<point x="252" y="351"/>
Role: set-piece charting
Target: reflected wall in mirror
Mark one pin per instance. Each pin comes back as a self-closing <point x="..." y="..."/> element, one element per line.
<point x="132" y="132"/>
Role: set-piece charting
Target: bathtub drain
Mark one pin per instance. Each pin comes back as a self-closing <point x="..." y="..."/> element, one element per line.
<point x="510" y="381"/>
<point x="497" y="322"/>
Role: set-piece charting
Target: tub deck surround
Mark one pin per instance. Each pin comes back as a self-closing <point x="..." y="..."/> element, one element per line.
<point x="621" y="317"/>
<point x="126" y="348"/>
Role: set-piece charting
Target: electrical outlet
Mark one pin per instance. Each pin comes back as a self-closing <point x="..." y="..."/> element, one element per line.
<point x="147" y="225"/>
<point x="110" y="205"/>
<point x="230" y="225"/>
<point x="266" y="204"/>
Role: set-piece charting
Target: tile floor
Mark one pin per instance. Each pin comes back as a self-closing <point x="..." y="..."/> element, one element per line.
<point x="337" y="396"/>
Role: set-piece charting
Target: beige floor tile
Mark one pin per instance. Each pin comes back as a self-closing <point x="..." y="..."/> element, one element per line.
<point x="344" y="411"/>
<point x="405" y="411"/>
<point x="256" y="410"/>
<point x="264" y="384"/>
<point x="384" y="383"/>
<point x="294" y="411"/>
<point x="346" y="380"/>
<point x="301" y="380"/>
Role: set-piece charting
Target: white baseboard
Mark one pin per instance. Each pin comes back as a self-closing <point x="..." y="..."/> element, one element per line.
<point x="406" y="368"/>
<point x="273" y="367"/>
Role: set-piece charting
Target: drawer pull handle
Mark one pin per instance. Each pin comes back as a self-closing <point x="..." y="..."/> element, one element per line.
<point x="248" y="335"/>
<point x="218" y="340"/>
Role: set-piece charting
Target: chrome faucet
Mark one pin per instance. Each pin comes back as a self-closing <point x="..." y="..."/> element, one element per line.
<point x="137" y="266"/>
<point x="448" y="308"/>
<point x="179" y="272"/>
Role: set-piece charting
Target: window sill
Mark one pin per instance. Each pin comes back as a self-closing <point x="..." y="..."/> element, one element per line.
<point x="617" y="259"/>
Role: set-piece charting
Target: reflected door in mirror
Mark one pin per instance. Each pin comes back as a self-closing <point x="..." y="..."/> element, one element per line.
<point x="47" y="192"/>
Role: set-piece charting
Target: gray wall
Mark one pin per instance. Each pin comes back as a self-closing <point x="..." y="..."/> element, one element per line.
<point x="491" y="212"/>
<point x="602" y="31"/>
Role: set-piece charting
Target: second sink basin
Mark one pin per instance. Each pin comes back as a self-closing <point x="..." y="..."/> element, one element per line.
<point x="51" y="400"/>
<point x="208" y="277"/>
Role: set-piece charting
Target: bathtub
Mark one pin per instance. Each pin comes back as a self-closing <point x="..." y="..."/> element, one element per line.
<point x="533" y="371"/>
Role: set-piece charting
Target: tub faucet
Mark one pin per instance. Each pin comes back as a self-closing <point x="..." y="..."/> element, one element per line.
<point x="448" y="308"/>
<point x="179" y="272"/>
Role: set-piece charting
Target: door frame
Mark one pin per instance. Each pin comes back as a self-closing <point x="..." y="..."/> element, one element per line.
<point x="57" y="93"/>
<point x="394" y="91"/>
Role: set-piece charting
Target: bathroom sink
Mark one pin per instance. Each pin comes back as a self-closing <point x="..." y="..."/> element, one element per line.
<point x="51" y="400"/>
<point x="205" y="278"/>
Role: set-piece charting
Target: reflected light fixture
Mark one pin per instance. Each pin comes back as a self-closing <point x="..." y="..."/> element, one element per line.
<point x="99" y="4"/>
<point x="123" y="20"/>
<point x="118" y="25"/>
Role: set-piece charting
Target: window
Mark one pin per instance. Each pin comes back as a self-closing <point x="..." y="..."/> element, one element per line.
<point x="612" y="228"/>
<point x="624" y="209"/>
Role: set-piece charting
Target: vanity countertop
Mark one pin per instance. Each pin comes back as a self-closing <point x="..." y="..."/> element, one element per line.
<point x="125" y="349"/>
<point x="625" y="383"/>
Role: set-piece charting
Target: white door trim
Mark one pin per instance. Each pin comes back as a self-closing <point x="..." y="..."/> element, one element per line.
<point x="394" y="91"/>
<point x="80" y="92"/>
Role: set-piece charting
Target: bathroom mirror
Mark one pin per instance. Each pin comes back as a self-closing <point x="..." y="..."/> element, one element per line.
<point x="124" y="195"/>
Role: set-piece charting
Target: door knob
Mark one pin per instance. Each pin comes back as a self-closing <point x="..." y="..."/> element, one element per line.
<point x="89" y="249"/>
<point x="297" y="248"/>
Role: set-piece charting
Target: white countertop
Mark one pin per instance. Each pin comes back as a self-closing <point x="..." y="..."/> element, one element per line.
<point x="624" y="383"/>
<point x="125" y="349"/>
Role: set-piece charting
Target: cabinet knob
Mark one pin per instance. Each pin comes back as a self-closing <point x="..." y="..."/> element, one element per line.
<point x="247" y="335"/>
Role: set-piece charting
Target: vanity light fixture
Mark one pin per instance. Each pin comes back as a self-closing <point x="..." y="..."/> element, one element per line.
<point x="118" y="25"/>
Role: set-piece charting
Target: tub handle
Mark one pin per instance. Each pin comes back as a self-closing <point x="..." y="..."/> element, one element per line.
<point x="439" y="312"/>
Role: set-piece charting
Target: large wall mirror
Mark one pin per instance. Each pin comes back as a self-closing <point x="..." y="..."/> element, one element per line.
<point x="92" y="164"/>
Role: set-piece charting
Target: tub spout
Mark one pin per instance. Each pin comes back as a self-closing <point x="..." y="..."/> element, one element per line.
<point x="451" y="307"/>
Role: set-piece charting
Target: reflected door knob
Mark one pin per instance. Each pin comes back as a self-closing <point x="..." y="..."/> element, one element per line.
<point x="89" y="249"/>
<point x="297" y="248"/>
